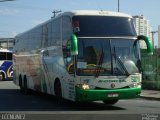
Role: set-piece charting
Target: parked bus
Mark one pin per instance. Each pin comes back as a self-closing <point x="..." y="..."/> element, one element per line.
<point x="81" y="56"/>
<point x="6" y="67"/>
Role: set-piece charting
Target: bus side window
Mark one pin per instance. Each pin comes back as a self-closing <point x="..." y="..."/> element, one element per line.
<point x="3" y="56"/>
<point x="9" y="56"/>
<point x="66" y="28"/>
<point x="70" y="65"/>
<point x="68" y="59"/>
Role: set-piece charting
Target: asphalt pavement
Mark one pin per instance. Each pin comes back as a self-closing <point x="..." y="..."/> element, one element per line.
<point x="151" y="94"/>
<point x="36" y="106"/>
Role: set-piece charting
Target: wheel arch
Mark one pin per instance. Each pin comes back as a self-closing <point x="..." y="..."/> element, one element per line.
<point x="57" y="80"/>
<point x="3" y="75"/>
<point x="20" y="80"/>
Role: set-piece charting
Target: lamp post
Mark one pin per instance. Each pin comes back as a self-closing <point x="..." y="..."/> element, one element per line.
<point x="118" y="5"/>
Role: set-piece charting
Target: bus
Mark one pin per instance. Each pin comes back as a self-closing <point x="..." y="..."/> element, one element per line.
<point x="82" y="56"/>
<point x="6" y="66"/>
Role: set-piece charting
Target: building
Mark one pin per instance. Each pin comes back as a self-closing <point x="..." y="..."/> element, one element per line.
<point x="7" y="43"/>
<point x="143" y="27"/>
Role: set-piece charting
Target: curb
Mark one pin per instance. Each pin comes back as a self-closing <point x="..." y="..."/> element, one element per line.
<point x="150" y="98"/>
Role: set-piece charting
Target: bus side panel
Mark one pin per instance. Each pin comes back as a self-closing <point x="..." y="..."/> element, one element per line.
<point x="29" y="66"/>
<point x="54" y="68"/>
<point x="6" y="68"/>
<point x="18" y="63"/>
<point x="42" y="74"/>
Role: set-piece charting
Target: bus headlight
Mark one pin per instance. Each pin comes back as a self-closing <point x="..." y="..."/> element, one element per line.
<point x="135" y="85"/>
<point x="85" y="86"/>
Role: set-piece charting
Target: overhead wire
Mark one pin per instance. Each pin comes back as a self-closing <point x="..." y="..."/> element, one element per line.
<point x="6" y="0"/>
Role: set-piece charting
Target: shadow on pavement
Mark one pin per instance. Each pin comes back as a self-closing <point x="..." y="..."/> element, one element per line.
<point x="14" y="100"/>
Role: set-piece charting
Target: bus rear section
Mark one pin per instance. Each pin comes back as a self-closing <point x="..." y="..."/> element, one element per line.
<point x="6" y="66"/>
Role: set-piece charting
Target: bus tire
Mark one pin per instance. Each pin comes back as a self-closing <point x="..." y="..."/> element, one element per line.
<point x="58" y="89"/>
<point x="110" y="102"/>
<point x="2" y="76"/>
<point x="20" y="83"/>
<point x="25" y="85"/>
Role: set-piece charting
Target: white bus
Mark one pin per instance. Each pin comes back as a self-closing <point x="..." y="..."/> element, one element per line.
<point x="6" y="67"/>
<point x="81" y="56"/>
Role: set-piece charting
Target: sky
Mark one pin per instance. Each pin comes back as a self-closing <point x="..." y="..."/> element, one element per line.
<point x="21" y="15"/>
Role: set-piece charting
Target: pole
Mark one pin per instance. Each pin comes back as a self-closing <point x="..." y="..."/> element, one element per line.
<point x="153" y="38"/>
<point x="55" y="12"/>
<point x="118" y="5"/>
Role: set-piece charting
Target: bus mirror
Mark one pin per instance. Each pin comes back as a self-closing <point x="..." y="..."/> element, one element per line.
<point x="74" y="45"/>
<point x="148" y="43"/>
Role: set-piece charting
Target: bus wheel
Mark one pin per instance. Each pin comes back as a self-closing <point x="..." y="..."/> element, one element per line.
<point x="110" y="102"/>
<point x="25" y="85"/>
<point x="2" y="76"/>
<point x="20" y="83"/>
<point x="58" y="89"/>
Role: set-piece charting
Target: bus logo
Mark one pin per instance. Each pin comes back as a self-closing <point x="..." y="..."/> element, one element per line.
<point x="113" y="85"/>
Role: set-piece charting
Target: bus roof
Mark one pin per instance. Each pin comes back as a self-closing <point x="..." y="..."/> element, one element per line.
<point x="96" y="13"/>
<point x="84" y="13"/>
<point x="5" y="50"/>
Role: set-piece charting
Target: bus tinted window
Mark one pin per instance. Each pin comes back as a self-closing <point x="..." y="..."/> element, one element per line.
<point x="2" y="56"/>
<point x="9" y="56"/>
<point x="5" y="56"/>
<point x="97" y="26"/>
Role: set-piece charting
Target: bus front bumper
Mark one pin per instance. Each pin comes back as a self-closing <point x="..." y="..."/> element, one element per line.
<point x="94" y="95"/>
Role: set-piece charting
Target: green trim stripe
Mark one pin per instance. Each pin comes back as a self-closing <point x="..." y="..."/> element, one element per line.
<point x="93" y="95"/>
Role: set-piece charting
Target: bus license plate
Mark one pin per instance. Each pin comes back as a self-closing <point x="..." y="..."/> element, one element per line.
<point x="113" y="95"/>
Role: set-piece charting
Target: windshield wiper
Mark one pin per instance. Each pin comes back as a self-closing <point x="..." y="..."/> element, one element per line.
<point x="120" y="62"/>
<point x="122" y="65"/>
<point x="100" y="63"/>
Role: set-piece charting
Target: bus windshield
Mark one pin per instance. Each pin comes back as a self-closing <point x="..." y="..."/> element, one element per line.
<point x="103" y="56"/>
<point x="103" y="26"/>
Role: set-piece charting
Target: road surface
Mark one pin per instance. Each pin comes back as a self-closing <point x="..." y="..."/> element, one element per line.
<point x="13" y="101"/>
